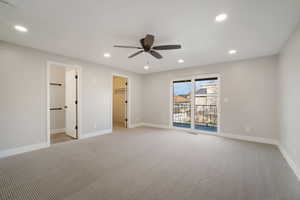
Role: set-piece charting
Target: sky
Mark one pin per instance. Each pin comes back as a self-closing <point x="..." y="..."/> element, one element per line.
<point x="185" y="88"/>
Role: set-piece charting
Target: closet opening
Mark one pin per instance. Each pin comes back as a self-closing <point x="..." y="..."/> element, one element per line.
<point x="63" y="101"/>
<point x="120" y="102"/>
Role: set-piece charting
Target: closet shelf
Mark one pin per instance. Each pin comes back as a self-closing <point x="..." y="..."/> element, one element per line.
<point x="119" y="90"/>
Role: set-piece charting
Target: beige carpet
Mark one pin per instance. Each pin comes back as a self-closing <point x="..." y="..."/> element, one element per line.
<point x="147" y="163"/>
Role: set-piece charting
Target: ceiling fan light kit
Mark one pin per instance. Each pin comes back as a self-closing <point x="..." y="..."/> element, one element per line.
<point x="147" y="47"/>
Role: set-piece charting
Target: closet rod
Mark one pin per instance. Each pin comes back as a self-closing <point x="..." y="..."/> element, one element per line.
<point x="56" y="108"/>
<point x="56" y="84"/>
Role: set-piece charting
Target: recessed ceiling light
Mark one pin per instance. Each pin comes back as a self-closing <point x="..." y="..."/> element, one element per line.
<point x="221" y="17"/>
<point x="21" y="28"/>
<point x="107" y="55"/>
<point x="180" y="61"/>
<point x="146" y="67"/>
<point x="233" y="51"/>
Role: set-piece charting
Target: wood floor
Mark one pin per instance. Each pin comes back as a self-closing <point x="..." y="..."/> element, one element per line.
<point x="150" y="164"/>
<point x="60" y="137"/>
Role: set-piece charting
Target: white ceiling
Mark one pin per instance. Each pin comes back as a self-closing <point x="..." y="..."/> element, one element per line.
<point x="86" y="29"/>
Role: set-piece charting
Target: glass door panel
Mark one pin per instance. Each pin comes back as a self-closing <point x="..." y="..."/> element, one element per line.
<point x="182" y="91"/>
<point x="206" y="99"/>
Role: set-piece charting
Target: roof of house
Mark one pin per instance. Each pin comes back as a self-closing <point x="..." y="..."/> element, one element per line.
<point x="181" y="99"/>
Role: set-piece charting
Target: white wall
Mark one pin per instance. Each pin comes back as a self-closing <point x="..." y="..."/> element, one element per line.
<point x="289" y="79"/>
<point x="57" y="99"/>
<point x="23" y="95"/>
<point x="250" y="86"/>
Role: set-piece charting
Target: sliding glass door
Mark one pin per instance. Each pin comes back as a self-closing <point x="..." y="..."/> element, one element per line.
<point x="195" y="104"/>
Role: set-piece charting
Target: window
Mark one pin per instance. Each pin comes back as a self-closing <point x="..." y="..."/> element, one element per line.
<point x="195" y="104"/>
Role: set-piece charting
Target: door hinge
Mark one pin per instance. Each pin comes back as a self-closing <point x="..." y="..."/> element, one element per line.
<point x="76" y="127"/>
<point x="126" y="83"/>
<point x="126" y="120"/>
<point x="76" y="102"/>
<point x="76" y="76"/>
<point x="126" y="101"/>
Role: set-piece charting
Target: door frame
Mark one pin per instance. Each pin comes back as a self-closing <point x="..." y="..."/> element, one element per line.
<point x="79" y="92"/>
<point x="192" y="78"/>
<point x="128" y="114"/>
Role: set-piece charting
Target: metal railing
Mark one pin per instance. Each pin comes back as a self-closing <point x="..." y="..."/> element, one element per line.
<point x="182" y="113"/>
<point x="205" y="115"/>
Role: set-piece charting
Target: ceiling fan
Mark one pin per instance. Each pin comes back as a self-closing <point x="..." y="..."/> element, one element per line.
<point x="147" y="46"/>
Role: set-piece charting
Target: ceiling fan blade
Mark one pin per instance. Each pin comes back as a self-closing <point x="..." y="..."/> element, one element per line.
<point x="135" y="54"/>
<point x="167" y="47"/>
<point x="155" y="54"/>
<point x="148" y="41"/>
<point x="6" y="3"/>
<point x="127" y="47"/>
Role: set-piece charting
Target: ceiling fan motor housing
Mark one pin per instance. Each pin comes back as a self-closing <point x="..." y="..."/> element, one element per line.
<point x="145" y="47"/>
<point x="147" y="44"/>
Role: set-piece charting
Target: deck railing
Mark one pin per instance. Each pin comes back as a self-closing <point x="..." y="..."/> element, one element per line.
<point x="205" y="115"/>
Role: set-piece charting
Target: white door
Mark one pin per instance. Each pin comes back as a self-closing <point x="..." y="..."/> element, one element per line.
<point x="71" y="106"/>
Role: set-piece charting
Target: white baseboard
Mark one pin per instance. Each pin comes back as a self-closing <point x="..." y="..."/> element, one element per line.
<point x="96" y="133"/>
<point x="249" y="138"/>
<point x="136" y="125"/>
<point x="225" y="135"/>
<point x="24" y="149"/>
<point x="60" y="130"/>
<point x="155" y="125"/>
<point x="290" y="161"/>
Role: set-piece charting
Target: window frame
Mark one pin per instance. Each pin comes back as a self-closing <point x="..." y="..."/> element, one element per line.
<point x="193" y="79"/>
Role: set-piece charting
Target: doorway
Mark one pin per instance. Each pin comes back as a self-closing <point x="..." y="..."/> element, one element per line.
<point x="120" y="102"/>
<point x="63" y="110"/>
